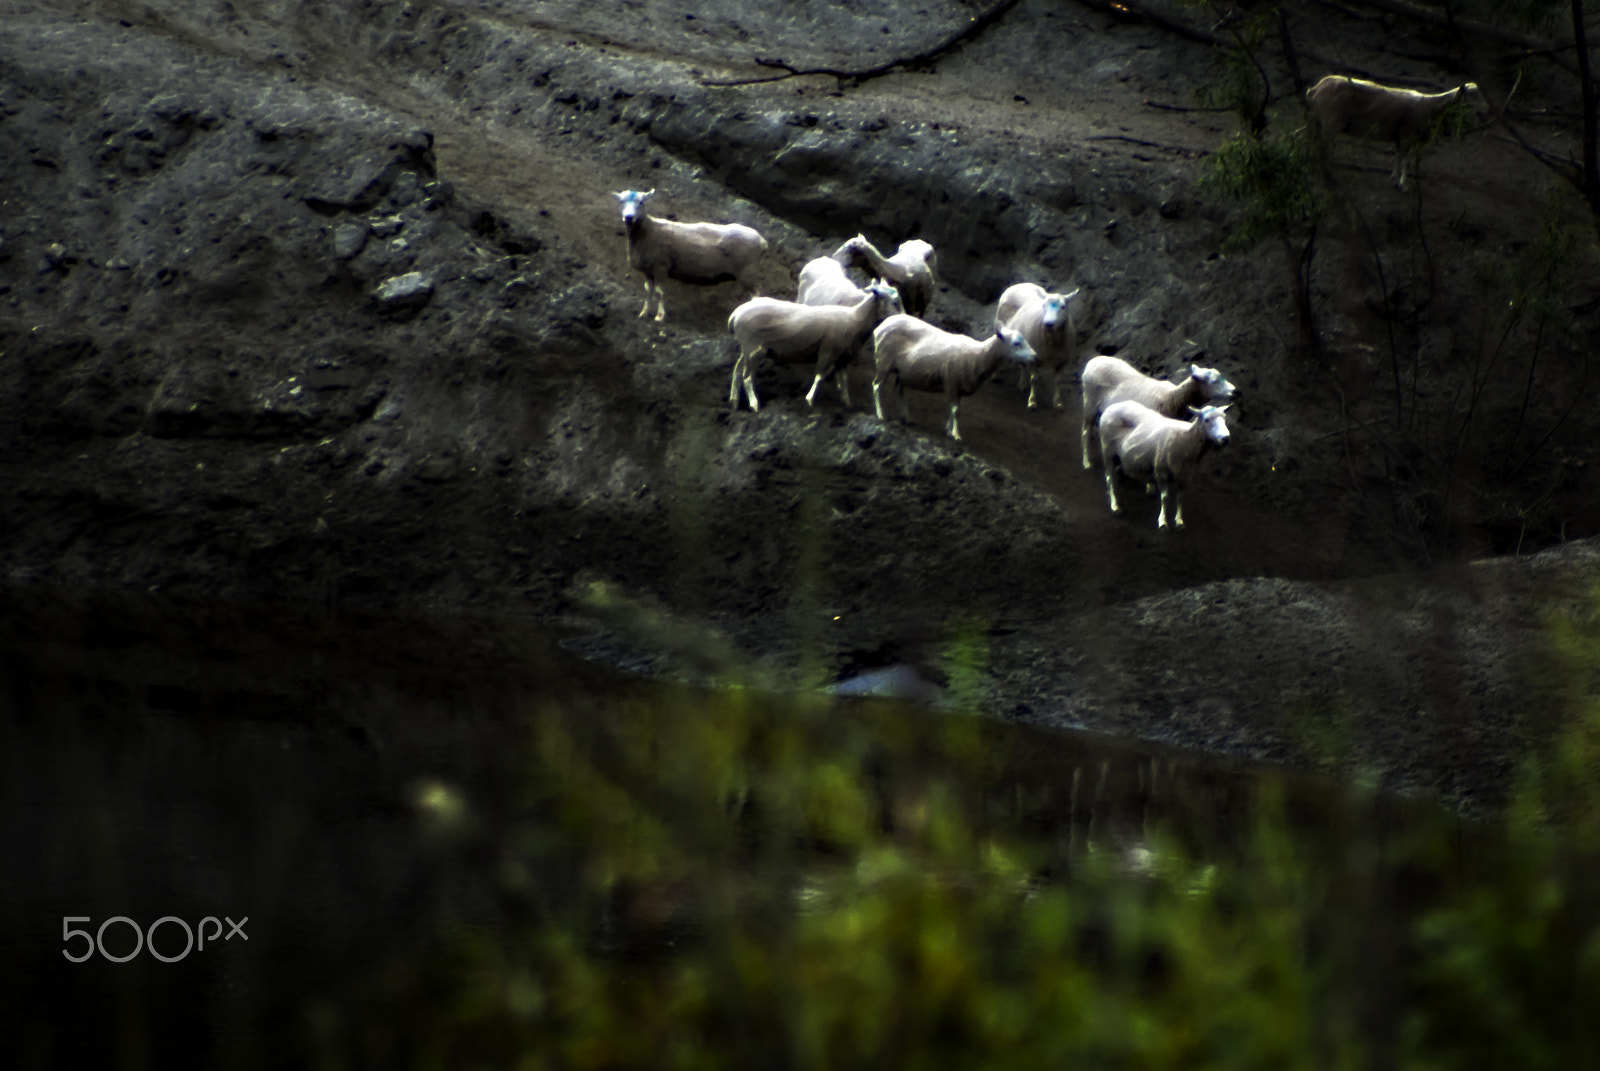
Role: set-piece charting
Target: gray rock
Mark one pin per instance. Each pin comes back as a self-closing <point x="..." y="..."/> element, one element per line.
<point x="388" y="226"/>
<point x="409" y="291"/>
<point x="348" y="240"/>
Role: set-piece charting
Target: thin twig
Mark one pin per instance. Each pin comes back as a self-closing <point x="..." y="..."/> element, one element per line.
<point x="1132" y="141"/>
<point x="1181" y="108"/>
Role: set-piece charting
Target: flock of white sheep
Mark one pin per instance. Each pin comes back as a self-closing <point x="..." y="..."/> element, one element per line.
<point x="832" y="317"/>
<point x="1139" y="421"/>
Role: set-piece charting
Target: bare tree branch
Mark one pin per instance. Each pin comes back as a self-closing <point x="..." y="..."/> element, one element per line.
<point x="1565" y="167"/>
<point x="1435" y="17"/>
<point x="1131" y="11"/>
<point x="1590" y="186"/>
<point x="972" y="29"/>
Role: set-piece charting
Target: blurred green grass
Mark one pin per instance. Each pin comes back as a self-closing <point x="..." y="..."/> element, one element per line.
<point x="781" y="880"/>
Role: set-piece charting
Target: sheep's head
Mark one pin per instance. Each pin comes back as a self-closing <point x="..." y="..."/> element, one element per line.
<point x="913" y="250"/>
<point x="1471" y="96"/>
<point x="887" y="298"/>
<point x="854" y="252"/>
<point x="633" y="204"/>
<point x="1214" y="386"/>
<point x="1016" y="347"/>
<point x="1216" y="427"/>
<point x="1057" y="310"/>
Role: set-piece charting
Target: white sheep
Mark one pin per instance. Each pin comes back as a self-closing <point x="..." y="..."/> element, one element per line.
<point x="911" y="269"/>
<point x="824" y="281"/>
<point x="918" y="355"/>
<point x="702" y="253"/>
<point x="1108" y="380"/>
<point x="1152" y="448"/>
<point x="1046" y="321"/>
<point x="790" y="331"/>
<point x="1344" y="105"/>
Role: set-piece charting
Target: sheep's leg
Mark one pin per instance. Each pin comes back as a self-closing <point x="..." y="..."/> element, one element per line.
<point x="951" y="429"/>
<point x="811" y="395"/>
<point x="843" y="380"/>
<point x="898" y="394"/>
<point x="1111" y="482"/>
<point x="1172" y="491"/>
<point x="1403" y="164"/>
<point x="733" y="386"/>
<point x="750" y="385"/>
<point x="661" y="303"/>
<point x="1086" y="442"/>
<point x="648" y="294"/>
<point x="1033" y="388"/>
<point x="1024" y="378"/>
<point x="1055" y="394"/>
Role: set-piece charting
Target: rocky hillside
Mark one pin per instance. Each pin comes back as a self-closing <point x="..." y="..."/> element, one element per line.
<point x="328" y="303"/>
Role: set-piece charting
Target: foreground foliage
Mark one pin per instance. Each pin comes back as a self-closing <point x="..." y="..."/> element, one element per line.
<point x="731" y="878"/>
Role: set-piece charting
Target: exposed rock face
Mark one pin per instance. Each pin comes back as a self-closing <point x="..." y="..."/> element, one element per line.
<point x="329" y="303"/>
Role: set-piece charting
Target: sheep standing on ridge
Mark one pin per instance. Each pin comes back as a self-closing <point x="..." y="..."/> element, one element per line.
<point x="702" y="253"/>
<point x="1108" y="380"/>
<point x="791" y="331"/>
<point x="825" y="281"/>
<point x="910" y="270"/>
<point x="1152" y="448"/>
<point x="1344" y="105"/>
<point x="1046" y="321"/>
<point x="918" y="355"/>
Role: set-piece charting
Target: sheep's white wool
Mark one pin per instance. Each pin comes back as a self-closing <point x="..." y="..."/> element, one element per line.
<point x="792" y="331"/>
<point x="911" y="269"/>
<point x="825" y="281"/>
<point x="1152" y="448"/>
<point x="702" y="253"/>
<point x="1046" y="321"/>
<point x="1108" y="380"/>
<point x="1363" y="109"/>
<point x="918" y="355"/>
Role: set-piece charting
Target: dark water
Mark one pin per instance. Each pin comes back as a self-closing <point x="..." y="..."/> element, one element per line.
<point x="242" y="762"/>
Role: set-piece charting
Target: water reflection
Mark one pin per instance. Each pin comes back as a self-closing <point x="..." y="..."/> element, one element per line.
<point x="451" y="837"/>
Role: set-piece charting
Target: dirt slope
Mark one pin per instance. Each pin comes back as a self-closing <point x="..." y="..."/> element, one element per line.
<point x="329" y="303"/>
